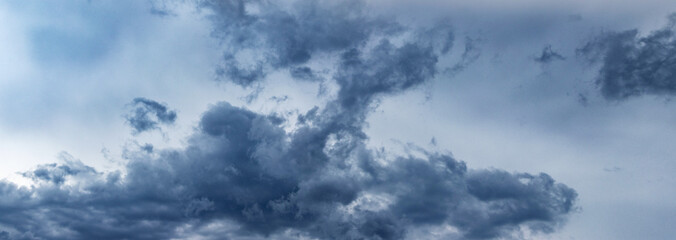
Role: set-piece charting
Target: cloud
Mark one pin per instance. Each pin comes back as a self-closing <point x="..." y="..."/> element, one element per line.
<point x="243" y="172"/>
<point x="548" y="55"/>
<point x="469" y="56"/>
<point x="288" y="38"/>
<point x="57" y="174"/>
<point x="148" y="115"/>
<point x="279" y="99"/>
<point x="633" y="65"/>
<point x="241" y="166"/>
<point x="304" y="73"/>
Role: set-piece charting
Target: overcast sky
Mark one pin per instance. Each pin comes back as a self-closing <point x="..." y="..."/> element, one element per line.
<point x="207" y="119"/>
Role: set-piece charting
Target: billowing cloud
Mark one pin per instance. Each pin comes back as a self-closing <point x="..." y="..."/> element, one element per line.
<point x="148" y="115"/>
<point x="321" y="180"/>
<point x="634" y="65"/>
<point x="245" y="175"/>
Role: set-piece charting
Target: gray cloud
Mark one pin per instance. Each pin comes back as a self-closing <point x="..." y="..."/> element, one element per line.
<point x="548" y="55"/>
<point x="148" y="114"/>
<point x="304" y="73"/>
<point x="470" y="54"/>
<point x="633" y="65"/>
<point x="243" y="170"/>
<point x="57" y="174"/>
<point x="279" y="99"/>
<point x="288" y="38"/>
<point x="240" y="166"/>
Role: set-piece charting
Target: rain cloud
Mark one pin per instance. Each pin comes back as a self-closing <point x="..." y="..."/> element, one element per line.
<point x="243" y="175"/>
<point x="634" y="65"/>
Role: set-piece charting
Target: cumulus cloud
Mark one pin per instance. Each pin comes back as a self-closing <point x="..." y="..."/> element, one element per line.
<point x="242" y="175"/>
<point x="148" y="115"/>
<point x="321" y="180"/>
<point x="634" y="65"/>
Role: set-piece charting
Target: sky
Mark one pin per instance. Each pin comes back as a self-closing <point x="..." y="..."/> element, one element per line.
<point x="355" y="119"/>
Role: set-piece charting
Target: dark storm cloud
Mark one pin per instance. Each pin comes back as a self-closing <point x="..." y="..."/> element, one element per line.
<point x="148" y="114"/>
<point x="548" y="55"/>
<point x="242" y="167"/>
<point x="386" y="69"/>
<point x="289" y="38"/>
<point x="243" y="170"/>
<point x="634" y="65"/>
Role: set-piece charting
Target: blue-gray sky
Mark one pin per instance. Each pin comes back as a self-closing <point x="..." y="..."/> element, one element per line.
<point x="350" y="119"/>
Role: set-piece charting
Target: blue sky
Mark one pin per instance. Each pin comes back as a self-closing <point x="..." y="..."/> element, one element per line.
<point x="337" y="120"/>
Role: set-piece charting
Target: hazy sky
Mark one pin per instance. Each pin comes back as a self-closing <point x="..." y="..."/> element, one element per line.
<point x="207" y="119"/>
